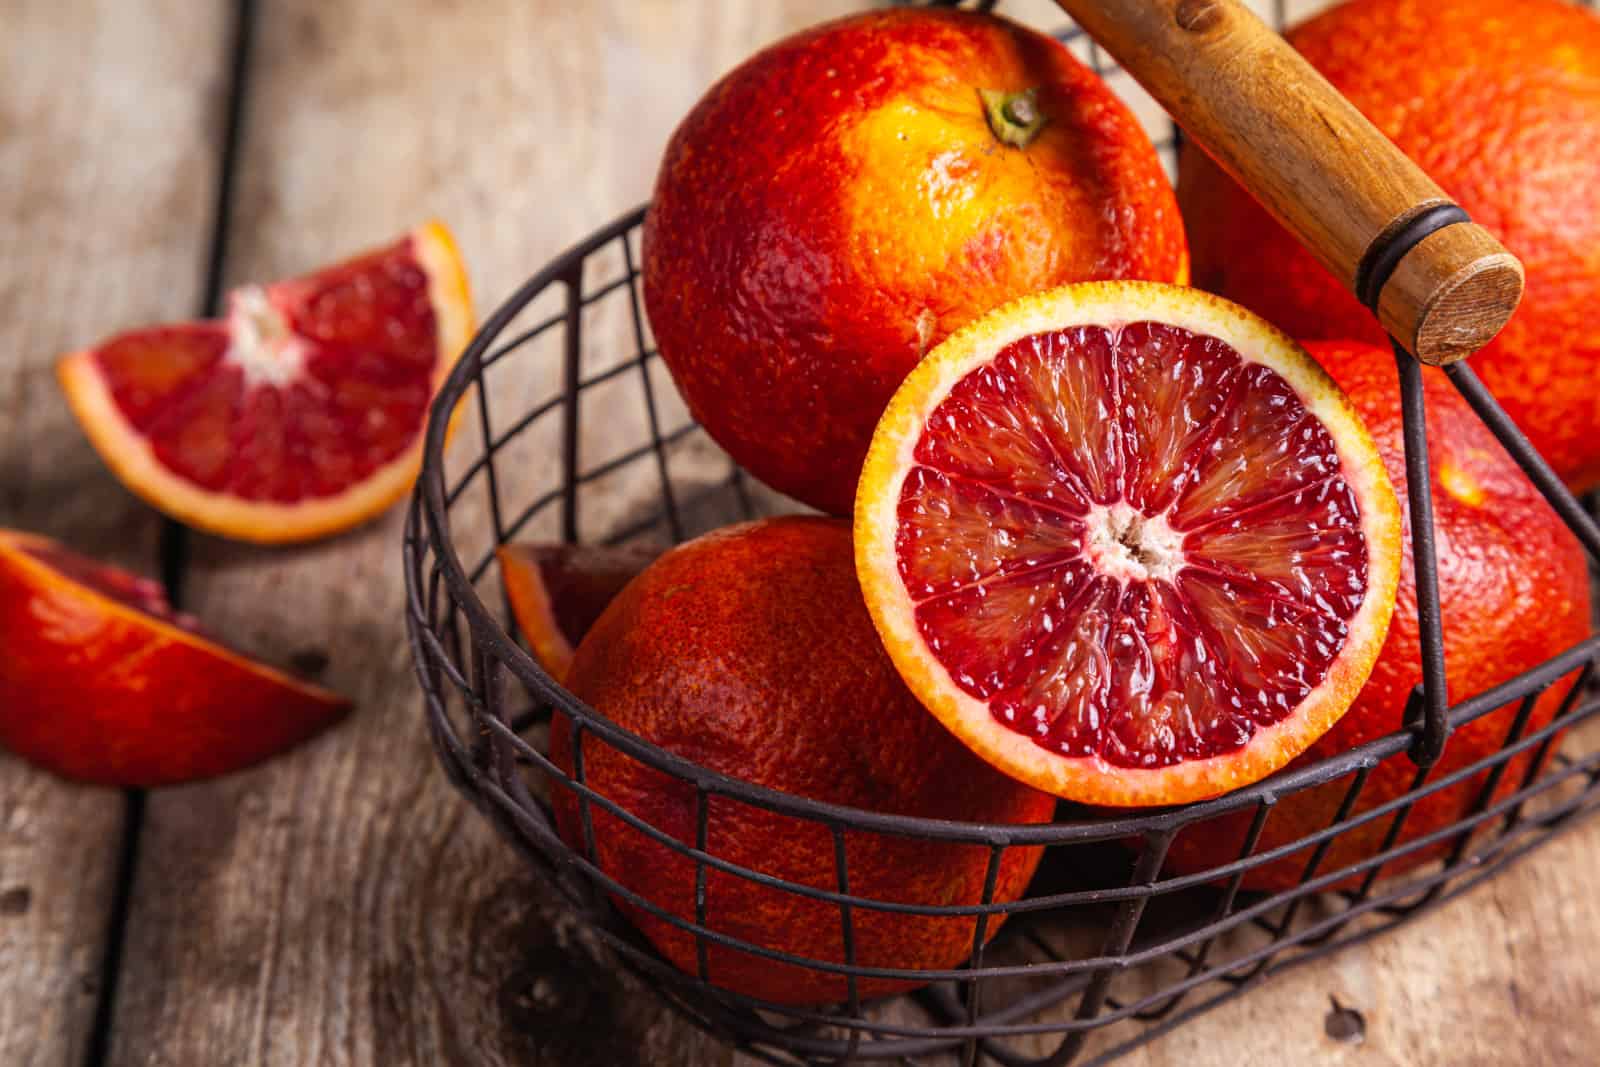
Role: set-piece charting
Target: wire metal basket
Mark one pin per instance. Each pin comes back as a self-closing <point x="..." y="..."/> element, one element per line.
<point x="1085" y="970"/>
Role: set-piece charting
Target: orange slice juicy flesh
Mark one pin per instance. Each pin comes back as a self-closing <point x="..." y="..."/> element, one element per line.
<point x="101" y="681"/>
<point x="1129" y="542"/>
<point x="298" y="415"/>
<point x="557" y="591"/>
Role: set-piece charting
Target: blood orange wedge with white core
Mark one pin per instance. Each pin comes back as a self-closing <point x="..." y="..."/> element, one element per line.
<point x="1129" y="542"/>
<point x="557" y="591"/>
<point x="101" y="681"/>
<point x="297" y="416"/>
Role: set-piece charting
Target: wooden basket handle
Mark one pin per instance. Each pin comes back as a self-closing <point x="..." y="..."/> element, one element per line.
<point x="1318" y="165"/>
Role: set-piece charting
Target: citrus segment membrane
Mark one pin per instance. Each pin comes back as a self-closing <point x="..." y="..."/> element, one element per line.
<point x="145" y="596"/>
<point x="130" y="590"/>
<point x="1130" y="543"/>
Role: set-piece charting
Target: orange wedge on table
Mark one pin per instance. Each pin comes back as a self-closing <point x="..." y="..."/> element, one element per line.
<point x="1129" y="542"/>
<point x="298" y="415"/>
<point x="101" y="681"/>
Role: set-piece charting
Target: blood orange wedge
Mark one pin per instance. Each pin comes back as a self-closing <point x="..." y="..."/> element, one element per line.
<point x="101" y="681"/>
<point x="1129" y="542"/>
<point x="298" y="415"/>
<point x="557" y="592"/>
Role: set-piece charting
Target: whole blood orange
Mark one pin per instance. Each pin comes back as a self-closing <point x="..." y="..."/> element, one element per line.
<point x="1514" y="588"/>
<point x="842" y="201"/>
<point x="1128" y="542"/>
<point x="101" y="681"/>
<point x="1499" y="100"/>
<point x="300" y="414"/>
<point x="557" y="591"/>
<point x="749" y="651"/>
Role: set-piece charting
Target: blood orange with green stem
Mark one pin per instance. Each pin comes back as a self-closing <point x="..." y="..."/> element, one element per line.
<point x="298" y="415"/>
<point x="1129" y="542"/>
<point x="843" y="200"/>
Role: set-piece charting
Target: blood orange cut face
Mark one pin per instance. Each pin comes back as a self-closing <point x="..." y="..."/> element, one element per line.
<point x="1129" y="542"/>
<point x="297" y="415"/>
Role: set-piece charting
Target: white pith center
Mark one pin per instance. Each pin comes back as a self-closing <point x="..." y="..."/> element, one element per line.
<point x="1123" y="543"/>
<point x="261" y="343"/>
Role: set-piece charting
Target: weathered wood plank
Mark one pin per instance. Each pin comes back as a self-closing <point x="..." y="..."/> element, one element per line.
<point x="106" y="174"/>
<point x="341" y="905"/>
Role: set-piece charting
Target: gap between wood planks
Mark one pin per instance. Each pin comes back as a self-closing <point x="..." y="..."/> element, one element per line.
<point x="173" y="562"/>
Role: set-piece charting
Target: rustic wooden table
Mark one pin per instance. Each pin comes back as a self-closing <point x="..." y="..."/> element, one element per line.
<point x="341" y="905"/>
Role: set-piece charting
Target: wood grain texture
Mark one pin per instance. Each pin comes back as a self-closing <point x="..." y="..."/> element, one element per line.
<point x="342" y="905"/>
<point x="1313" y="161"/>
<point x="107" y="125"/>
<point x="1502" y="976"/>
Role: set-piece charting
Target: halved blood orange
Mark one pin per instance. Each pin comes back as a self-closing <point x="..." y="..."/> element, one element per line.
<point x="1129" y="542"/>
<point x="557" y="591"/>
<point x="101" y="681"/>
<point x="300" y="414"/>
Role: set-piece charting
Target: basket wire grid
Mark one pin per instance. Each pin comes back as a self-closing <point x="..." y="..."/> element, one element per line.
<point x="1085" y="970"/>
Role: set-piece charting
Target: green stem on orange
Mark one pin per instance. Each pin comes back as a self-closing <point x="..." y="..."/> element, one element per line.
<point x="1014" y="118"/>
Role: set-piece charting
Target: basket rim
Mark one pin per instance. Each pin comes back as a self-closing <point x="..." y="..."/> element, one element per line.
<point x="431" y="500"/>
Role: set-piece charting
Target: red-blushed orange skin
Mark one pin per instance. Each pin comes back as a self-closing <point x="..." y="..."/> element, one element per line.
<point x="837" y="205"/>
<point x="98" y="691"/>
<point x="1499" y="100"/>
<point x="749" y="651"/>
<point x="1513" y="582"/>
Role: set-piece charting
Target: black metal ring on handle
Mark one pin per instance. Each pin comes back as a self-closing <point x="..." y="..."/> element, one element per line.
<point x="1382" y="258"/>
<point x="1378" y="265"/>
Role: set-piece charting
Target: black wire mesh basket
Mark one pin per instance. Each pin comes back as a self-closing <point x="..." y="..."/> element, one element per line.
<point x="579" y="436"/>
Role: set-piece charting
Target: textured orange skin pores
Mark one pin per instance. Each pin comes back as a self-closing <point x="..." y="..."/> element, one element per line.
<point x="1514" y="587"/>
<point x="95" y="690"/>
<point x="1499" y="100"/>
<point x="837" y="205"/>
<point x="750" y="652"/>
